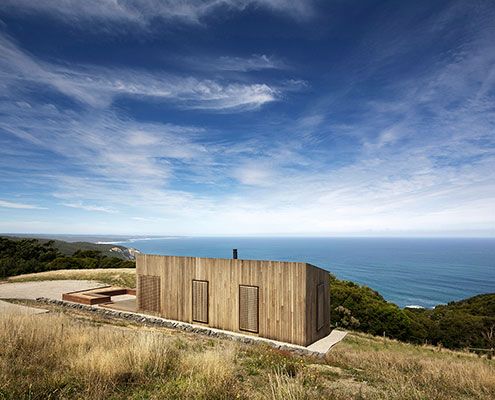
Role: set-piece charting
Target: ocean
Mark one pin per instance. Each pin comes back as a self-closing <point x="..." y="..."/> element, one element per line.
<point x="407" y="271"/>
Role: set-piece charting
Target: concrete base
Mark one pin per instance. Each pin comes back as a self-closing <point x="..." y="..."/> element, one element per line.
<point x="129" y="305"/>
<point x="325" y="344"/>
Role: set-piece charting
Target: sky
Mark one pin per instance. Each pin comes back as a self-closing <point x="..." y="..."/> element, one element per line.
<point x="248" y="117"/>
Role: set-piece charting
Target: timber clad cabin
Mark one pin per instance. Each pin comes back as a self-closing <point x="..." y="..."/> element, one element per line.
<point x="284" y="301"/>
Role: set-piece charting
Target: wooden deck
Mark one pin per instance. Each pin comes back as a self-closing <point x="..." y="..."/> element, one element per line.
<point x="97" y="296"/>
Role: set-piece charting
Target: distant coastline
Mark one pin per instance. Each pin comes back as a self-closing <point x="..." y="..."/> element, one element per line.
<point x="413" y="273"/>
<point x="133" y="239"/>
<point x="409" y="272"/>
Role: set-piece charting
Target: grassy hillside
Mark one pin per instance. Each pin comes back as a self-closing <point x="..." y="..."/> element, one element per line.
<point x="23" y="256"/>
<point x="63" y="355"/>
<point x="466" y="323"/>
<point x="125" y="277"/>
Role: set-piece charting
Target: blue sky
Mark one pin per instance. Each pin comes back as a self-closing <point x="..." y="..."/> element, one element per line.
<point x="247" y="117"/>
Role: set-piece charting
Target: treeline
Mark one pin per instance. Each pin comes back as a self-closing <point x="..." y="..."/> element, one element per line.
<point x="466" y="323"/>
<point x="26" y="256"/>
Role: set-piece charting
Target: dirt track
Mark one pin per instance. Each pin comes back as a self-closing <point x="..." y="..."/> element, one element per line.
<point x="48" y="289"/>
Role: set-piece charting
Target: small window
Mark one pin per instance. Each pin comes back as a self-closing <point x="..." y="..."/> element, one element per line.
<point x="248" y="308"/>
<point x="200" y="301"/>
<point x="320" y="306"/>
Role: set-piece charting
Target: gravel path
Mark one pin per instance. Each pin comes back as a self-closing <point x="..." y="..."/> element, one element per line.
<point x="49" y="275"/>
<point x="49" y="289"/>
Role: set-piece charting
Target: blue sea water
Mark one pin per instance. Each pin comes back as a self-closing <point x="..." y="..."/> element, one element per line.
<point x="407" y="271"/>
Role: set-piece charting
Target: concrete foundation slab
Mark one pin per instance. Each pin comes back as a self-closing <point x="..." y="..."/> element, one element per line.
<point x="325" y="344"/>
<point x="129" y="305"/>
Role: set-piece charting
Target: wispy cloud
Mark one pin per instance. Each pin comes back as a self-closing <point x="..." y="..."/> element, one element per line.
<point x="89" y="207"/>
<point x="143" y="12"/>
<point x="11" y="204"/>
<point x="143" y="219"/>
<point x="103" y="144"/>
<point x="256" y="62"/>
<point x="411" y="152"/>
<point x="98" y="86"/>
<point x="254" y="173"/>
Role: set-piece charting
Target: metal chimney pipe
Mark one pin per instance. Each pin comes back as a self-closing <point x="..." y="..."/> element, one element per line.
<point x="234" y="254"/>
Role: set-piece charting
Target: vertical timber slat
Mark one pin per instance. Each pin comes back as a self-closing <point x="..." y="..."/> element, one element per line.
<point x="287" y="294"/>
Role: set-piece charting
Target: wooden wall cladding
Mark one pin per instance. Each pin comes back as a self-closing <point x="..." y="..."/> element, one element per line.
<point x="317" y="304"/>
<point x="282" y="295"/>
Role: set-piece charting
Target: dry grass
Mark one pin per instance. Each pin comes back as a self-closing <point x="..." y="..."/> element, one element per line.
<point x="111" y="276"/>
<point x="402" y="371"/>
<point x="59" y="357"/>
<point x="56" y="356"/>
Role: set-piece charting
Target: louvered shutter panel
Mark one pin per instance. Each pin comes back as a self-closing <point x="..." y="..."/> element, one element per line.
<point x="200" y="301"/>
<point x="320" y="305"/>
<point x="248" y="308"/>
<point x="149" y="293"/>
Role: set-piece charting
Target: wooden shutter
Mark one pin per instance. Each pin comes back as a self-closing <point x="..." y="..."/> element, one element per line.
<point x="248" y="308"/>
<point x="320" y="306"/>
<point x="149" y="293"/>
<point x="200" y="301"/>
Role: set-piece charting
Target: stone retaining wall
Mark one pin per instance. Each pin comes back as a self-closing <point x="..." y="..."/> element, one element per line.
<point x="184" y="326"/>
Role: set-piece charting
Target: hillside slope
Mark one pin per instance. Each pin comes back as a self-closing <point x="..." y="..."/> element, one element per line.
<point x="465" y="323"/>
<point x="73" y="354"/>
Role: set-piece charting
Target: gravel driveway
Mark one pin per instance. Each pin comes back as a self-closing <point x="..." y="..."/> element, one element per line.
<point x="49" y="289"/>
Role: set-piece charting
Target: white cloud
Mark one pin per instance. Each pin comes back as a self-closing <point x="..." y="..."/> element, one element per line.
<point x="89" y="207"/>
<point x="143" y="219"/>
<point x="98" y="86"/>
<point x="11" y="204"/>
<point x="256" y="62"/>
<point x="386" y="137"/>
<point x="420" y="158"/>
<point x="255" y="174"/>
<point x="393" y="183"/>
<point x="104" y="145"/>
<point x="143" y="12"/>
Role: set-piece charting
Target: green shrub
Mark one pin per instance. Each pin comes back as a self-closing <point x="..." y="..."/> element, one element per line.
<point x="467" y="323"/>
<point x="26" y="256"/>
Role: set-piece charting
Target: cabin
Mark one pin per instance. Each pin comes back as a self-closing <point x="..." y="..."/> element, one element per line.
<point x="283" y="301"/>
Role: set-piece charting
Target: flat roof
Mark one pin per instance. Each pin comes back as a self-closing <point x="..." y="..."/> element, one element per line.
<point x="235" y="259"/>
